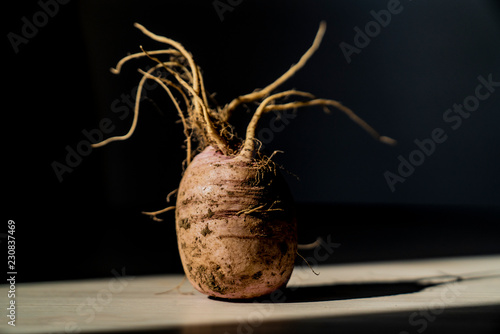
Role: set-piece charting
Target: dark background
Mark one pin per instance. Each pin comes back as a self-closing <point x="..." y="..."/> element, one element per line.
<point x="425" y="60"/>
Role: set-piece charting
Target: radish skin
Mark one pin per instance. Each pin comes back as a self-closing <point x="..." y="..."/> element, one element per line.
<point x="235" y="223"/>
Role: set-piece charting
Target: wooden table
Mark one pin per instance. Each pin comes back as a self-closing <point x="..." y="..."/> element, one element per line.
<point x="416" y="296"/>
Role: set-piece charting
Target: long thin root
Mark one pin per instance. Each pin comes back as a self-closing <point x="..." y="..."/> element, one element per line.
<point x="248" y="149"/>
<point x="308" y="264"/>
<point x="311" y="245"/>
<point x="177" y="288"/>
<point x="154" y="214"/>
<point x="136" y="115"/>
<point x="326" y="102"/>
<point x="264" y="92"/>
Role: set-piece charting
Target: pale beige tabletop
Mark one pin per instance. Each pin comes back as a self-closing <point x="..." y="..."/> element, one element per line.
<point x="415" y="296"/>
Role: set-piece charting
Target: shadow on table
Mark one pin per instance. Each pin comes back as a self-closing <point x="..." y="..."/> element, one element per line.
<point x="349" y="291"/>
<point x="305" y="294"/>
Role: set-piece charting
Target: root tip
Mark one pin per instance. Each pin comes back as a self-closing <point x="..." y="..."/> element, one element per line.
<point x="388" y="140"/>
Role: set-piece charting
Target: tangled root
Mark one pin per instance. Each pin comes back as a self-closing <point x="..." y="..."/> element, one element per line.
<point x="203" y="120"/>
<point x="206" y="122"/>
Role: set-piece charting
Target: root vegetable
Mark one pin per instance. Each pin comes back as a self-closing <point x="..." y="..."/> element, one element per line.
<point x="235" y="226"/>
<point x="235" y="223"/>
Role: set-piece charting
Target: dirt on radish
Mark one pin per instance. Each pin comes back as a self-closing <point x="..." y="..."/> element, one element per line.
<point x="235" y="224"/>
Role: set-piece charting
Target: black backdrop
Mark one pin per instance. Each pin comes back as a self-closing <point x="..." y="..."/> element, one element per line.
<point x="429" y="57"/>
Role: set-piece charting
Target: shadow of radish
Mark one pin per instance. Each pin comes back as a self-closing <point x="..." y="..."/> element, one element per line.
<point x="346" y="291"/>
